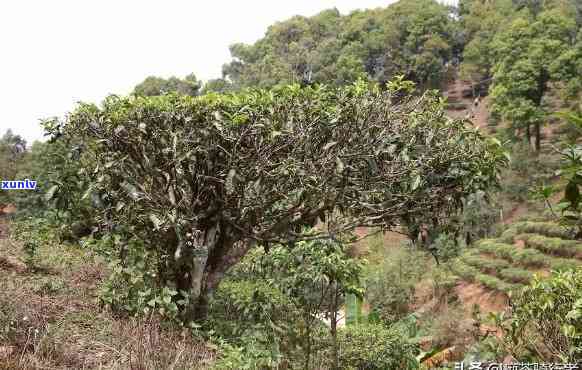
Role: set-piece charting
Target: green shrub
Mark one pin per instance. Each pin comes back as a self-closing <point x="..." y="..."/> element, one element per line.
<point x="552" y="245"/>
<point x="526" y="257"/>
<point x="564" y="264"/>
<point x="485" y="264"/>
<point x="446" y="247"/>
<point x="253" y="354"/>
<point x="546" y="324"/>
<point x="479" y="217"/>
<point x="33" y="233"/>
<point x="132" y="286"/>
<point x="489" y="281"/>
<point x="370" y="346"/>
<point x="543" y="228"/>
<point x="463" y="270"/>
<point x="30" y="249"/>
<point x="241" y="307"/>
<point x="508" y="236"/>
<point x="516" y="275"/>
<point x="473" y="274"/>
<point x="444" y="281"/>
<point x="390" y="285"/>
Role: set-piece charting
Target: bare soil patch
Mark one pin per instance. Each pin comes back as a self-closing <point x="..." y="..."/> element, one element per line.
<point x="10" y="263"/>
<point x="487" y="300"/>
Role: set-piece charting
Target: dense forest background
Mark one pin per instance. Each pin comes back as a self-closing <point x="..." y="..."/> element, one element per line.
<point x="518" y="51"/>
<point x="136" y="250"/>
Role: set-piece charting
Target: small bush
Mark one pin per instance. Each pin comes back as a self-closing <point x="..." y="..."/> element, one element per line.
<point x="508" y="236"/>
<point x="390" y="286"/>
<point x="132" y="287"/>
<point x="516" y="275"/>
<point x="546" y="324"/>
<point x="473" y="274"/>
<point x="372" y="347"/>
<point x="490" y="282"/>
<point x="465" y="271"/>
<point x="253" y="354"/>
<point x="239" y="307"/>
<point x="480" y="215"/>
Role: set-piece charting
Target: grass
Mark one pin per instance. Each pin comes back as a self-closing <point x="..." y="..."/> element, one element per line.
<point x="50" y="319"/>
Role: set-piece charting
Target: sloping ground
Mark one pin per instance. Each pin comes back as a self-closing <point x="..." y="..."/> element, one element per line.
<point x="509" y="262"/>
<point x="362" y="247"/>
<point x="50" y="318"/>
<point x="475" y="294"/>
<point x="462" y="104"/>
<point x="7" y="209"/>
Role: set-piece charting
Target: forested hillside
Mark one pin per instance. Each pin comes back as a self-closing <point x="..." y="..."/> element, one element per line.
<point x="393" y="188"/>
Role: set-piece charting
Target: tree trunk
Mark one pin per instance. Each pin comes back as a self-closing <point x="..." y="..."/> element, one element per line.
<point x="308" y="348"/>
<point x="538" y="136"/>
<point x="542" y="87"/>
<point x="528" y="135"/>
<point x="200" y="263"/>
<point x="333" y="324"/>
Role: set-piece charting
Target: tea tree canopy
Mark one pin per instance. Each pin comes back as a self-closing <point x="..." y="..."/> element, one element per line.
<point x="200" y="179"/>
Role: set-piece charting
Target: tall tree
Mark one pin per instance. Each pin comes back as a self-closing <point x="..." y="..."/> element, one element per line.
<point x="12" y="151"/>
<point x="218" y="85"/>
<point x="153" y="86"/>
<point x="526" y="54"/>
<point x="414" y="38"/>
<point x="481" y="20"/>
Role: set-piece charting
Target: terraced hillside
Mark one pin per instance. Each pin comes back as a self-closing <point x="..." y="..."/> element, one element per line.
<point x="526" y="248"/>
